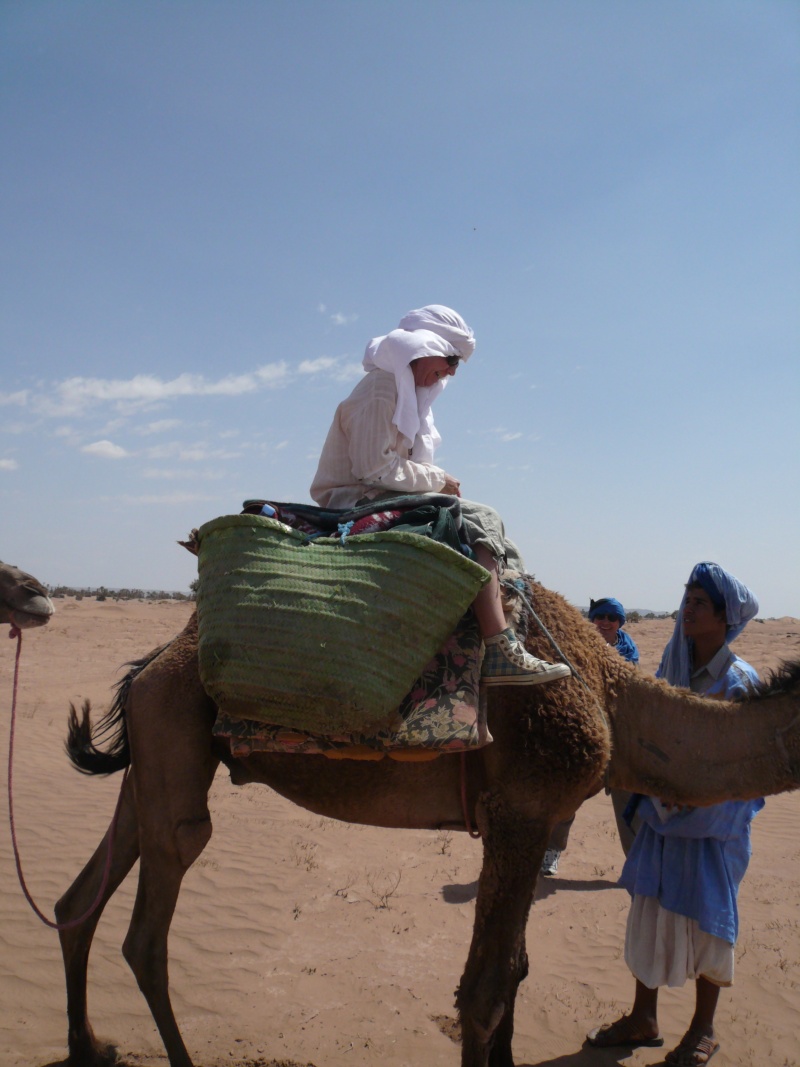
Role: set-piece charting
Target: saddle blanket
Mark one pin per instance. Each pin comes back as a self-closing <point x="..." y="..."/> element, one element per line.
<point x="443" y="712"/>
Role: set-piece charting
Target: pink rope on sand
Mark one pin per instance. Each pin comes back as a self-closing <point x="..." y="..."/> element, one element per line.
<point x="15" y="632"/>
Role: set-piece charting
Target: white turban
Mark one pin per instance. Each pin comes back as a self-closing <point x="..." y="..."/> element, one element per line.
<point x="446" y="323"/>
<point x="434" y="330"/>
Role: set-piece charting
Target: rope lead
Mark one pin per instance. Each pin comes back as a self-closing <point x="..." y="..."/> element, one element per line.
<point x="17" y="633"/>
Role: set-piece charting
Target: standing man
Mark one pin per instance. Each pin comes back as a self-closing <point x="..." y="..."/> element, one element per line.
<point x="686" y="864"/>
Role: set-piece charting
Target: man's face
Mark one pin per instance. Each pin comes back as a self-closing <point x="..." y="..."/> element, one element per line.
<point x="700" y="619"/>
<point x="608" y="625"/>
<point x="429" y="370"/>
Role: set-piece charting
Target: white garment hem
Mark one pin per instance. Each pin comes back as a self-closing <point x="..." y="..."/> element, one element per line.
<point x="663" y="948"/>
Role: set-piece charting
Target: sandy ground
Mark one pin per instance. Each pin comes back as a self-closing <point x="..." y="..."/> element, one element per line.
<point x="298" y="940"/>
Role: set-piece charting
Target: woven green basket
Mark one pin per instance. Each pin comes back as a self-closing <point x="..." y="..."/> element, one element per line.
<point x="322" y="636"/>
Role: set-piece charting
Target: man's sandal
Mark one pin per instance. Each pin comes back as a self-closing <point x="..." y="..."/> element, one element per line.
<point x="693" y="1051"/>
<point x="619" y="1035"/>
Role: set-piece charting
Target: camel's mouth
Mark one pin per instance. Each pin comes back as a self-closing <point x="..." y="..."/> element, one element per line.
<point x="37" y="612"/>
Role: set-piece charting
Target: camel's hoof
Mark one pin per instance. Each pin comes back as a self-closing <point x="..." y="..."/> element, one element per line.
<point x="91" y="1054"/>
<point x="501" y="1059"/>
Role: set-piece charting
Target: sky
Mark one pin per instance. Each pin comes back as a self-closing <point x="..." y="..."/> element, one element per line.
<point x="209" y="208"/>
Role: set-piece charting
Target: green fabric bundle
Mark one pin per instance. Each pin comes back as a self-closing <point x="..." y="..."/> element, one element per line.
<point x="323" y="635"/>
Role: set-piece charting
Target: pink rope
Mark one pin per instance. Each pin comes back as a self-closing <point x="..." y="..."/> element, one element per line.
<point x="15" y="632"/>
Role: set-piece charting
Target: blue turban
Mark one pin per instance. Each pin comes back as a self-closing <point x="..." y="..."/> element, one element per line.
<point x="607" y="605"/>
<point x="724" y="591"/>
<point x="701" y="576"/>
<point x="625" y="644"/>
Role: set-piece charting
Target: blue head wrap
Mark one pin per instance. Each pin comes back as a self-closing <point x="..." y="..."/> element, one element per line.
<point x="625" y="644"/>
<point x="701" y="576"/>
<point x="724" y="591"/>
<point x="607" y="605"/>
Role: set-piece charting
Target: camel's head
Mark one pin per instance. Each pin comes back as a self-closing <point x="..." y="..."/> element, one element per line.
<point x="23" y="601"/>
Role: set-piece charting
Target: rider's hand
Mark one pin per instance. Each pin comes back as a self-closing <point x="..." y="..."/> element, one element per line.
<point x="452" y="486"/>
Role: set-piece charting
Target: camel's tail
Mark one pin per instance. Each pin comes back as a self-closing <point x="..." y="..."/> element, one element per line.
<point x="83" y="739"/>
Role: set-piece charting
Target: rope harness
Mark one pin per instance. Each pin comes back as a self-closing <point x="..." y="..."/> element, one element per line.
<point x="518" y="586"/>
<point x="15" y="632"/>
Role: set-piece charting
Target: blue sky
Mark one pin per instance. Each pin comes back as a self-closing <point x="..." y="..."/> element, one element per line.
<point x="209" y="208"/>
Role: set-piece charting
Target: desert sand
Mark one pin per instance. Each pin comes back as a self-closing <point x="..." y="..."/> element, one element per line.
<point x="299" y="940"/>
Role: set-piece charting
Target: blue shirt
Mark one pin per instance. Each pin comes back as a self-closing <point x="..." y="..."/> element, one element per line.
<point x="626" y="646"/>
<point x="694" y="861"/>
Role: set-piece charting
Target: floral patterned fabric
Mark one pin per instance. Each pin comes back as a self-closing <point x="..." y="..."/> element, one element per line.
<point x="443" y="712"/>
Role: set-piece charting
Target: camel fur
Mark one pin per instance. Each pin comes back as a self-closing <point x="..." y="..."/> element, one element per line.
<point x="552" y="748"/>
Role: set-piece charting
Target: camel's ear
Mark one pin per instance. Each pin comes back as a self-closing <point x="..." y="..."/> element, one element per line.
<point x="193" y="544"/>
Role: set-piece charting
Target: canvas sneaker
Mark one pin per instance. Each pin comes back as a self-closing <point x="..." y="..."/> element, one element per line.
<point x="550" y="861"/>
<point x="506" y="662"/>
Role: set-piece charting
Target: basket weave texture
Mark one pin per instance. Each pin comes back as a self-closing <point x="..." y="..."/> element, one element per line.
<point x="322" y="636"/>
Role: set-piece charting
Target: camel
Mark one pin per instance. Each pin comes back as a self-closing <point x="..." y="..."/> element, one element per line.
<point x="23" y="600"/>
<point x="553" y="747"/>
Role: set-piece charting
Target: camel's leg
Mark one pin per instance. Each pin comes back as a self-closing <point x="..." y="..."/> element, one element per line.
<point x="171" y="746"/>
<point x="76" y="942"/>
<point x="497" y="962"/>
<point x="145" y="947"/>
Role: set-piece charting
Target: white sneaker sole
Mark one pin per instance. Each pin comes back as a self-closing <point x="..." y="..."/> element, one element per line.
<point x="529" y="678"/>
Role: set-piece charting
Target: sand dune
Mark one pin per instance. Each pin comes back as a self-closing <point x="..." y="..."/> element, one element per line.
<point x="299" y="940"/>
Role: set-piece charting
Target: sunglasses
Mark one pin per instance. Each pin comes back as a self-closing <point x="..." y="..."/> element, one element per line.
<point x="452" y="361"/>
<point x="605" y="618"/>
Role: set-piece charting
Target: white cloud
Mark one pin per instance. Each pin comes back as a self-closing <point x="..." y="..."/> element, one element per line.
<point x="334" y="366"/>
<point x="160" y="426"/>
<point x="109" y="428"/>
<point x="348" y="372"/>
<point x="315" y="366"/>
<point x="338" y="319"/>
<point x="105" y="449"/>
<point x="181" y="474"/>
<point x="505" y="435"/>
<point x="167" y="498"/>
<point x="194" y="453"/>
<point x="74" y="395"/>
<point x="8" y="465"/>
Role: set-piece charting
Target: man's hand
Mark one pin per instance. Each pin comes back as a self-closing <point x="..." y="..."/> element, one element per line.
<point x="452" y="486"/>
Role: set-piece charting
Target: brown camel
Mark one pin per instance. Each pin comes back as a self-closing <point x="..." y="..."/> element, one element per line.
<point x="23" y="601"/>
<point x="552" y="745"/>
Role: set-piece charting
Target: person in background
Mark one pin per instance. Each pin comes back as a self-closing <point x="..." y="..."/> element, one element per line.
<point x="686" y="864"/>
<point x="608" y="616"/>
<point x="381" y="446"/>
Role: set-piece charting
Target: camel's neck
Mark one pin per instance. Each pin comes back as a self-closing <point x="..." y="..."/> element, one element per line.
<point x="694" y="750"/>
